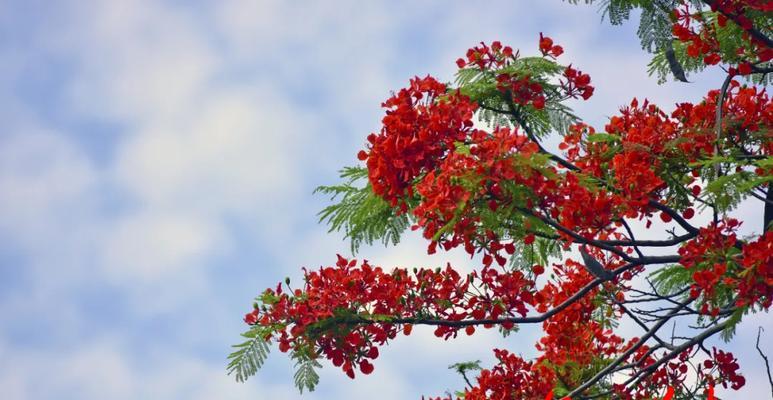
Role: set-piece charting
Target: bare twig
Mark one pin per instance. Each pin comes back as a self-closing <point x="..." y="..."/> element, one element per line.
<point x="764" y="357"/>
<point x="611" y="367"/>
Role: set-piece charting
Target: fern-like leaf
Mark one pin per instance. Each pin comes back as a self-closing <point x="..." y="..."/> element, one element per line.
<point x="250" y="355"/>
<point x="363" y="216"/>
<point x="670" y="279"/>
<point x="306" y="376"/>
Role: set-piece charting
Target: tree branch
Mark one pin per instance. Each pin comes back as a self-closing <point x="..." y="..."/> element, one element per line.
<point x="675" y="216"/>
<point x="609" y="368"/>
<point x="642" y="374"/>
<point x="752" y="31"/>
<point x="764" y="357"/>
<point x="356" y="320"/>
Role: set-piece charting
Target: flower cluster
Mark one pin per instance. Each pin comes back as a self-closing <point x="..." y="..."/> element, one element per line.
<point x="477" y="173"/>
<point x="422" y="123"/>
<point x="572" y="342"/>
<point x="547" y="47"/>
<point x="726" y="367"/>
<point x="486" y="57"/>
<point x="755" y="279"/>
<point x="512" y="378"/>
<point x="718" y="264"/>
<point x="522" y="90"/>
<point x="707" y="256"/>
<point x="577" y="84"/>
<point x="701" y="34"/>
<point x="345" y="311"/>
<point x="643" y="145"/>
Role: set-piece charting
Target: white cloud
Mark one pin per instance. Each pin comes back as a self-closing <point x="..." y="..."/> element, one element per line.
<point x="103" y="369"/>
<point x="156" y="246"/>
<point x="136" y="59"/>
<point x="44" y="179"/>
<point x="236" y="151"/>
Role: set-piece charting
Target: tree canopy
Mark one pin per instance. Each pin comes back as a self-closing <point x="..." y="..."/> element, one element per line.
<point x="467" y="164"/>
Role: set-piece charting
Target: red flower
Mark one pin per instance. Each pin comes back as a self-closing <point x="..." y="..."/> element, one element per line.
<point x="251" y="318"/>
<point x="547" y="48"/>
<point x="545" y="44"/>
<point x="366" y="367"/>
<point x="688" y="213"/>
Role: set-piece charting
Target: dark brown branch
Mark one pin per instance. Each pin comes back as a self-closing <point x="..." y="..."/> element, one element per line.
<point x="577" y="237"/>
<point x="752" y="31"/>
<point x="760" y="70"/>
<point x="517" y="117"/>
<point x="760" y="198"/>
<point x="356" y="320"/>
<point x="644" y="373"/>
<point x="619" y="360"/>
<point x="632" y="237"/>
<point x="764" y="357"/>
<point x="768" y="216"/>
<point x="675" y="216"/>
<point x="650" y="243"/>
<point x="626" y="243"/>
<point x="643" y="358"/>
<point x="649" y="370"/>
<point x="642" y="325"/>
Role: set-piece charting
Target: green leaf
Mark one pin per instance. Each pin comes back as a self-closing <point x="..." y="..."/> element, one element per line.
<point x="250" y="355"/>
<point x="732" y="321"/>
<point x="306" y="376"/>
<point x="728" y="191"/>
<point x="363" y="216"/>
<point x="603" y="137"/>
<point x="670" y="279"/>
<point x="462" y="148"/>
<point x="463" y="367"/>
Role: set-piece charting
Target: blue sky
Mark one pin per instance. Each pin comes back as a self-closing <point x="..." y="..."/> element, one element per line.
<point x="157" y="162"/>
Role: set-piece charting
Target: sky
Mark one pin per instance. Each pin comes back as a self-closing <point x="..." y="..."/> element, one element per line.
<point x="157" y="163"/>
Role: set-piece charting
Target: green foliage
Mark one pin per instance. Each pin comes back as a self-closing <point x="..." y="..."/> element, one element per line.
<point x="498" y="110"/>
<point x="671" y="279"/>
<point x="538" y="253"/>
<point x="560" y="117"/>
<point x="655" y="25"/>
<point x="360" y="214"/>
<point x="656" y="38"/>
<point x="578" y="373"/>
<point x="250" y="355"/>
<point x="732" y="323"/>
<point x="659" y="65"/>
<point x="306" y="376"/>
<point x="617" y="11"/>
<point x="727" y="191"/>
<point x="464" y="367"/>
<point x="602" y="137"/>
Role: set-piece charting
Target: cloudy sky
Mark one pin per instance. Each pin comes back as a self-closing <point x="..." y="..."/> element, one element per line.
<point x="157" y="162"/>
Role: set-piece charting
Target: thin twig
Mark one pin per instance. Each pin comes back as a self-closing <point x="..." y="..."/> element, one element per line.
<point x="764" y="357"/>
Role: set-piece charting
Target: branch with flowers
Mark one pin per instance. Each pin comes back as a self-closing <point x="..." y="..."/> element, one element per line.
<point x="520" y="209"/>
